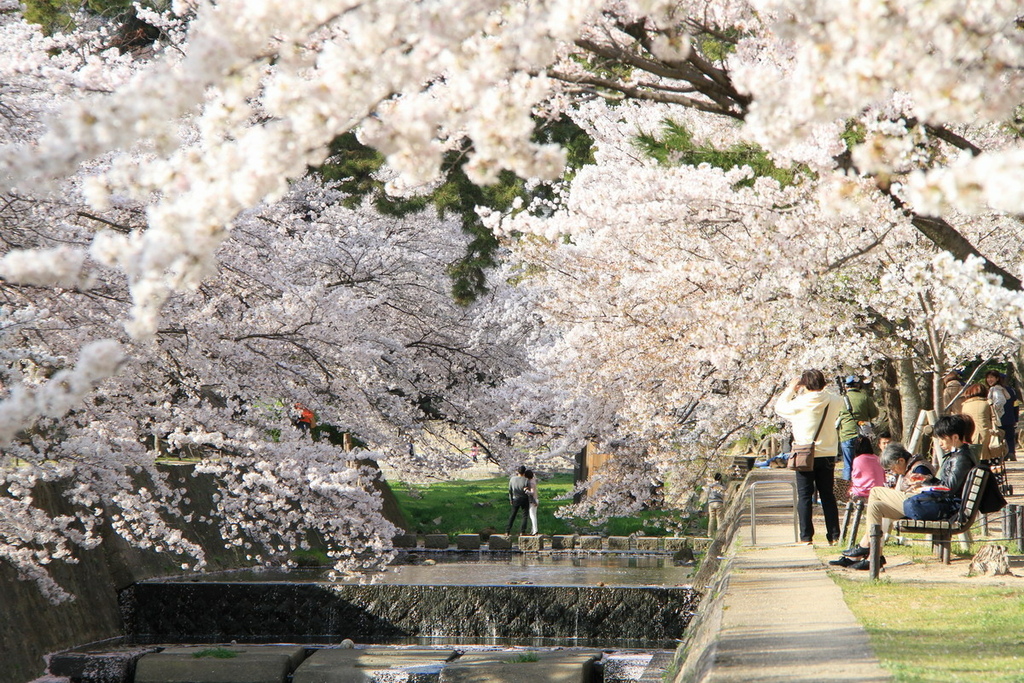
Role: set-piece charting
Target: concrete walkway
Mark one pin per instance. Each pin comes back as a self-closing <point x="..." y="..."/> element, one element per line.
<point x="783" y="619"/>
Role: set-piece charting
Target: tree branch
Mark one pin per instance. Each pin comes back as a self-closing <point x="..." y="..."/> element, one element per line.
<point x="946" y="237"/>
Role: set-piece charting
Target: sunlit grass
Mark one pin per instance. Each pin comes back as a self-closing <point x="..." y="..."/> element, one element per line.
<point x="949" y="632"/>
<point x="468" y="507"/>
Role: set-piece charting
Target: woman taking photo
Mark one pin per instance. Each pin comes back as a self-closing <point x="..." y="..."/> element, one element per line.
<point x="813" y="408"/>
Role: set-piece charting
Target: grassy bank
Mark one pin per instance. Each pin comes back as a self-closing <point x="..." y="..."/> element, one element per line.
<point x="924" y="632"/>
<point x="468" y="507"/>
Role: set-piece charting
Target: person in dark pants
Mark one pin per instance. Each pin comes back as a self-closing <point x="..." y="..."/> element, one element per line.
<point x="519" y="499"/>
<point x="813" y="408"/>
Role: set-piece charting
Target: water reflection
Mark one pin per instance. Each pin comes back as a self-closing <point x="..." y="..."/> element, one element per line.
<point x="487" y="569"/>
<point x="543" y="571"/>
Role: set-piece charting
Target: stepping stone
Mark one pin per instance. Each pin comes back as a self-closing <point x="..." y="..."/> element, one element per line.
<point x="220" y="664"/>
<point x="567" y="542"/>
<point x="82" y="664"/>
<point x="343" y="665"/>
<point x="590" y="542"/>
<point x="531" y="544"/>
<point x="405" y="541"/>
<point x="648" y="543"/>
<point x="618" y="543"/>
<point x="674" y="544"/>
<point x="499" y="542"/>
<point x="438" y="541"/>
<point x="467" y="541"/>
<point x="521" y="667"/>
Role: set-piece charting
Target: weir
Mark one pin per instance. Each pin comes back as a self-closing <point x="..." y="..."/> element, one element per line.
<point x="598" y="601"/>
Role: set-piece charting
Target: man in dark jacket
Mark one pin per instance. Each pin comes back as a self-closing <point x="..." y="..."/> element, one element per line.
<point x="518" y="498"/>
<point x="945" y="499"/>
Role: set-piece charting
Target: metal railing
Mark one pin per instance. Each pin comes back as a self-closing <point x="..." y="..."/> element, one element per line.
<point x="752" y="491"/>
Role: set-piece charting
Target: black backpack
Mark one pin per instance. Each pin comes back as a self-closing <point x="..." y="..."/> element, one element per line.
<point x="991" y="498"/>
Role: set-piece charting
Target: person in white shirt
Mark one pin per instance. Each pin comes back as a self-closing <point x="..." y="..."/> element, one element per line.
<point x="808" y="402"/>
<point x="531" y="493"/>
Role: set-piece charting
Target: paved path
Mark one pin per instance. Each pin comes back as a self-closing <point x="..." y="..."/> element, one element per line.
<point x="783" y="618"/>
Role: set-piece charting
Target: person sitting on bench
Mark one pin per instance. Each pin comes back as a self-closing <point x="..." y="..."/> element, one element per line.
<point x="951" y="432"/>
<point x="867" y="472"/>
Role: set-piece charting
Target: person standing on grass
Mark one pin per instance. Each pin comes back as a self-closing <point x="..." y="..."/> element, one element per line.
<point x="982" y="414"/>
<point x="1004" y="404"/>
<point x="531" y="493"/>
<point x="952" y="392"/>
<point x="518" y="499"/>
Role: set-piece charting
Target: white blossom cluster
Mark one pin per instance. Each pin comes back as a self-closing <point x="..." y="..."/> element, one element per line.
<point x="684" y="299"/>
<point x="174" y="281"/>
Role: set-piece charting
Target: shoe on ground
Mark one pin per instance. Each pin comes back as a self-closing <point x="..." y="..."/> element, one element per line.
<point x="844" y="561"/>
<point x="864" y="565"/>
<point x="856" y="551"/>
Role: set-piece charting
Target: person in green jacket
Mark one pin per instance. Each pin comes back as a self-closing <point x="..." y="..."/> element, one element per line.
<point x="858" y="407"/>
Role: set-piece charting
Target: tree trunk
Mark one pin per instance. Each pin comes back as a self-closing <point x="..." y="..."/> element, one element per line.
<point x="1017" y="363"/>
<point x="991" y="560"/>
<point x="887" y="397"/>
<point x="910" y="398"/>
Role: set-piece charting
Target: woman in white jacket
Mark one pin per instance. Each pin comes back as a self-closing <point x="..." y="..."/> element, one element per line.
<point x="804" y="402"/>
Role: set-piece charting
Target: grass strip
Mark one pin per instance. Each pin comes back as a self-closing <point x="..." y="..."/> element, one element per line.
<point x="948" y="633"/>
<point x="469" y="507"/>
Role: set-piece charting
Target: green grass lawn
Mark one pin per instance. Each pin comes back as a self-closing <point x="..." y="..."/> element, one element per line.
<point x="469" y="507"/>
<point x="942" y="632"/>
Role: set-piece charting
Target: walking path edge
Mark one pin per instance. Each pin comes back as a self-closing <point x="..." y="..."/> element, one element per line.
<point x="771" y="612"/>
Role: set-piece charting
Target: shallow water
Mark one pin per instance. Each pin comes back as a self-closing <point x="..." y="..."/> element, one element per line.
<point x="489" y="569"/>
<point x="541" y="570"/>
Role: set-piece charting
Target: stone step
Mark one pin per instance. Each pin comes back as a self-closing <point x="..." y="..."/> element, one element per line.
<point x="527" y="667"/>
<point x="539" y="542"/>
<point x="220" y="664"/>
<point x="349" y="663"/>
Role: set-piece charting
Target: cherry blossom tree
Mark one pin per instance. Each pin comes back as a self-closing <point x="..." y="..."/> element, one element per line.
<point x="844" y="263"/>
<point x="772" y="187"/>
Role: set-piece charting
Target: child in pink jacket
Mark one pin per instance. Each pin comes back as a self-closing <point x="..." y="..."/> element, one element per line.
<point x="867" y="469"/>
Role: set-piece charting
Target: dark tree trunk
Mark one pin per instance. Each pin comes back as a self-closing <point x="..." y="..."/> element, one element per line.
<point x="910" y="396"/>
<point x="887" y="397"/>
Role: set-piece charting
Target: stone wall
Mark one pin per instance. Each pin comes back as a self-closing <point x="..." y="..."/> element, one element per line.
<point x="268" y="612"/>
<point x="695" y="653"/>
<point x="30" y="626"/>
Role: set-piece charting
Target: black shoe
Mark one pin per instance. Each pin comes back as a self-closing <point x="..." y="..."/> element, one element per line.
<point x="856" y="551"/>
<point x="864" y="565"/>
<point x="844" y="561"/>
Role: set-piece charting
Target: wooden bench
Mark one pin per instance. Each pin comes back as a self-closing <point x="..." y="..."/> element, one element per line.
<point x="943" y="530"/>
